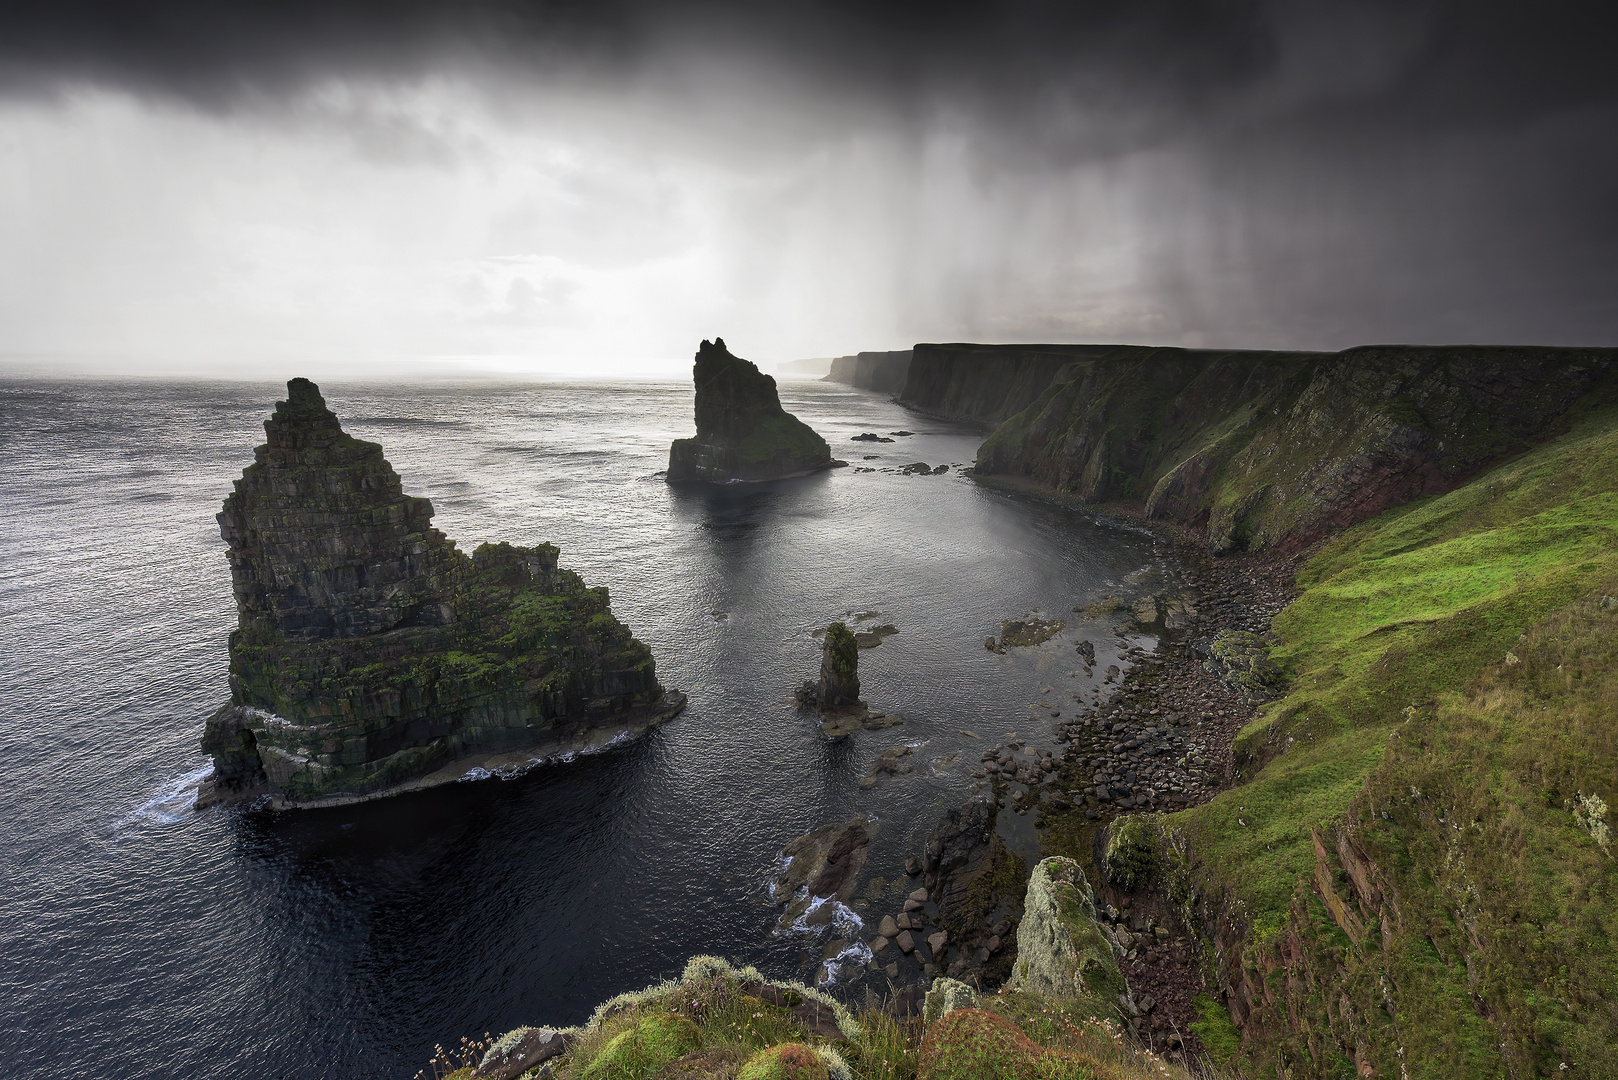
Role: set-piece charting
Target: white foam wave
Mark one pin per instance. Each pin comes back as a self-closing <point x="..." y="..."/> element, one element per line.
<point x="523" y="768"/>
<point x="173" y="801"/>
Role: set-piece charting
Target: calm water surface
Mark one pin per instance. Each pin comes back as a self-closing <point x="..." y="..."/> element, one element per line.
<point x="139" y="938"/>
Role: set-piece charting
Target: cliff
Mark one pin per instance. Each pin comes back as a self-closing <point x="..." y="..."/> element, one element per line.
<point x="1411" y="873"/>
<point x="986" y="384"/>
<point x="372" y="655"/>
<point x="743" y="434"/>
<point x="883" y="372"/>
<point x="1276" y="450"/>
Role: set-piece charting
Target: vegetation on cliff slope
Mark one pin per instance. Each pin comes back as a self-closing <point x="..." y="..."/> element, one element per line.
<point x="1275" y="450"/>
<point x="1414" y="875"/>
<point x="718" y="1022"/>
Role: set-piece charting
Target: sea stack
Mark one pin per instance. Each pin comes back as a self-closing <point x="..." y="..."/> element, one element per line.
<point x="839" y="686"/>
<point x="371" y="656"/>
<point x="743" y="434"/>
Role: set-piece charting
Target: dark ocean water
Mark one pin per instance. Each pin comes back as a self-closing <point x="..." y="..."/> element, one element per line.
<point x="139" y="938"/>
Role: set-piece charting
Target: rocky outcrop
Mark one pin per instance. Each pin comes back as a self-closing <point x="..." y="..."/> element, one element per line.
<point x="837" y="694"/>
<point x="1275" y="450"/>
<point x="823" y="865"/>
<point x="743" y="434"/>
<point x="977" y="884"/>
<point x="1061" y="950"/>
<point x="370" y="655"/>
<point x="883" y="372"/>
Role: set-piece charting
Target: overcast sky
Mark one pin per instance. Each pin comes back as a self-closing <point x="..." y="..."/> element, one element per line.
<point x="348" y="186"/>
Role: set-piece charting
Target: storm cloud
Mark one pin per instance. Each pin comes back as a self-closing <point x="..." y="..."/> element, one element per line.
<point x="589" y="184"/>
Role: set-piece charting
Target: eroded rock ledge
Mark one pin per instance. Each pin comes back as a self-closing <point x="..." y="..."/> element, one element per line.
<point x="371" y="656"/>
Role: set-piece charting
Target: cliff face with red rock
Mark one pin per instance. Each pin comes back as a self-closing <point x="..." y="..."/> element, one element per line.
<point x="370" y="654"/>
<point x="1271" y="451"/>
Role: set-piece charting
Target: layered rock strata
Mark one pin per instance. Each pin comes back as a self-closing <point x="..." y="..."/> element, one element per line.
<point x="371" y="655"/>
<point x="743" y="434"/>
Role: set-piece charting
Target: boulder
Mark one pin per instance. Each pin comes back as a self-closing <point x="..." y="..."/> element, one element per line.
<point x="946" y="995"/>
<point x="371" y="656"/>
<point x="1061" y="950"/>
<point x="743" y="434"/>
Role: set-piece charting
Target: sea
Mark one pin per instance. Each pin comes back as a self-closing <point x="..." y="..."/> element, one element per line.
<point x="141" y="938"/>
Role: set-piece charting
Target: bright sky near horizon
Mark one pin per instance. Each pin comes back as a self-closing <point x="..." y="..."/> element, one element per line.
<point x="592" y="193"/>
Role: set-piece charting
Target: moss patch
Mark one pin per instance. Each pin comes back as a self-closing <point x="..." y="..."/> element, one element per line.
<point x="642" y="1050"/>
<point x="784" y="1061"/>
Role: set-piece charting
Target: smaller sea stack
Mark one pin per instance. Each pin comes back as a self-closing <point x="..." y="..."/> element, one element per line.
<point x="839" y="686"/>
<point x="743" y="434"/>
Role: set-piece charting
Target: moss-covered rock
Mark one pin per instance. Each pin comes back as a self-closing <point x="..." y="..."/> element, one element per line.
<point x="644" y="1049"/>
<point x="839" y="686"/>
<point x="784" y="1061"/>
<point x="743" y="434"/>
<point x="1241" y="660"/>
<point x="1130" y="855"/>
<point x="370" y="653"/>
<point x="1061" y="952"/>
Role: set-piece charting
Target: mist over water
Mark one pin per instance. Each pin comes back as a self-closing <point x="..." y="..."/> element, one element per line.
<point x="139" y="938"/>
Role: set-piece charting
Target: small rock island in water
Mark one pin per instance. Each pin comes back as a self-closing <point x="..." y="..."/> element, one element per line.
<point x="743" y="434"/>
<point x="373" y="657"/>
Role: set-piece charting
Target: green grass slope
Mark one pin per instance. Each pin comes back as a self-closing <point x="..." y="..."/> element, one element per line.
<point x="1404" y="866"/>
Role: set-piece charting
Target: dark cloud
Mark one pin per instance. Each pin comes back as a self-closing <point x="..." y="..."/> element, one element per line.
<point x="1285" y="172"/>
<point x="1033" y="59"/>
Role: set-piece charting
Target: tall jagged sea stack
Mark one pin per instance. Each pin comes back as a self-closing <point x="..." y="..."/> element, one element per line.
<point x="743" y="434"/>
<point x="372" y="656"/>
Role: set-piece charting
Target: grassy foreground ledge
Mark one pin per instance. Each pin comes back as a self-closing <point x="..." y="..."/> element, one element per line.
<point x="1413" y="876"/>
<point x="720" y="1022"/>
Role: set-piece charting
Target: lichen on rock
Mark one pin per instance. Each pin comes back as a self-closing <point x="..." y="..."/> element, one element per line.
<point x="1061" y="951"/>
<point x="946" y="995"/>
<point x="743" y="434"/>
<point x="370" y="655"/>
<point x="1241" y="660"/>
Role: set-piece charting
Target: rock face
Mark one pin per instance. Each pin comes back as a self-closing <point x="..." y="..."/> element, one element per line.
<point x="985" y="384"/>
<point x="743" y="434"/>
<point x="883" y="372"/>
<point x="977" y="884"/>
<point x="1267" y="450"/>
<point x="371" y="653"/>
<point x="1061" y="951"/>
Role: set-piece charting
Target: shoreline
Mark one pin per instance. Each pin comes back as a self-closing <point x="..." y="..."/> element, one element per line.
<point x="506" y="763"/>
<point x="1166" y="686"/>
